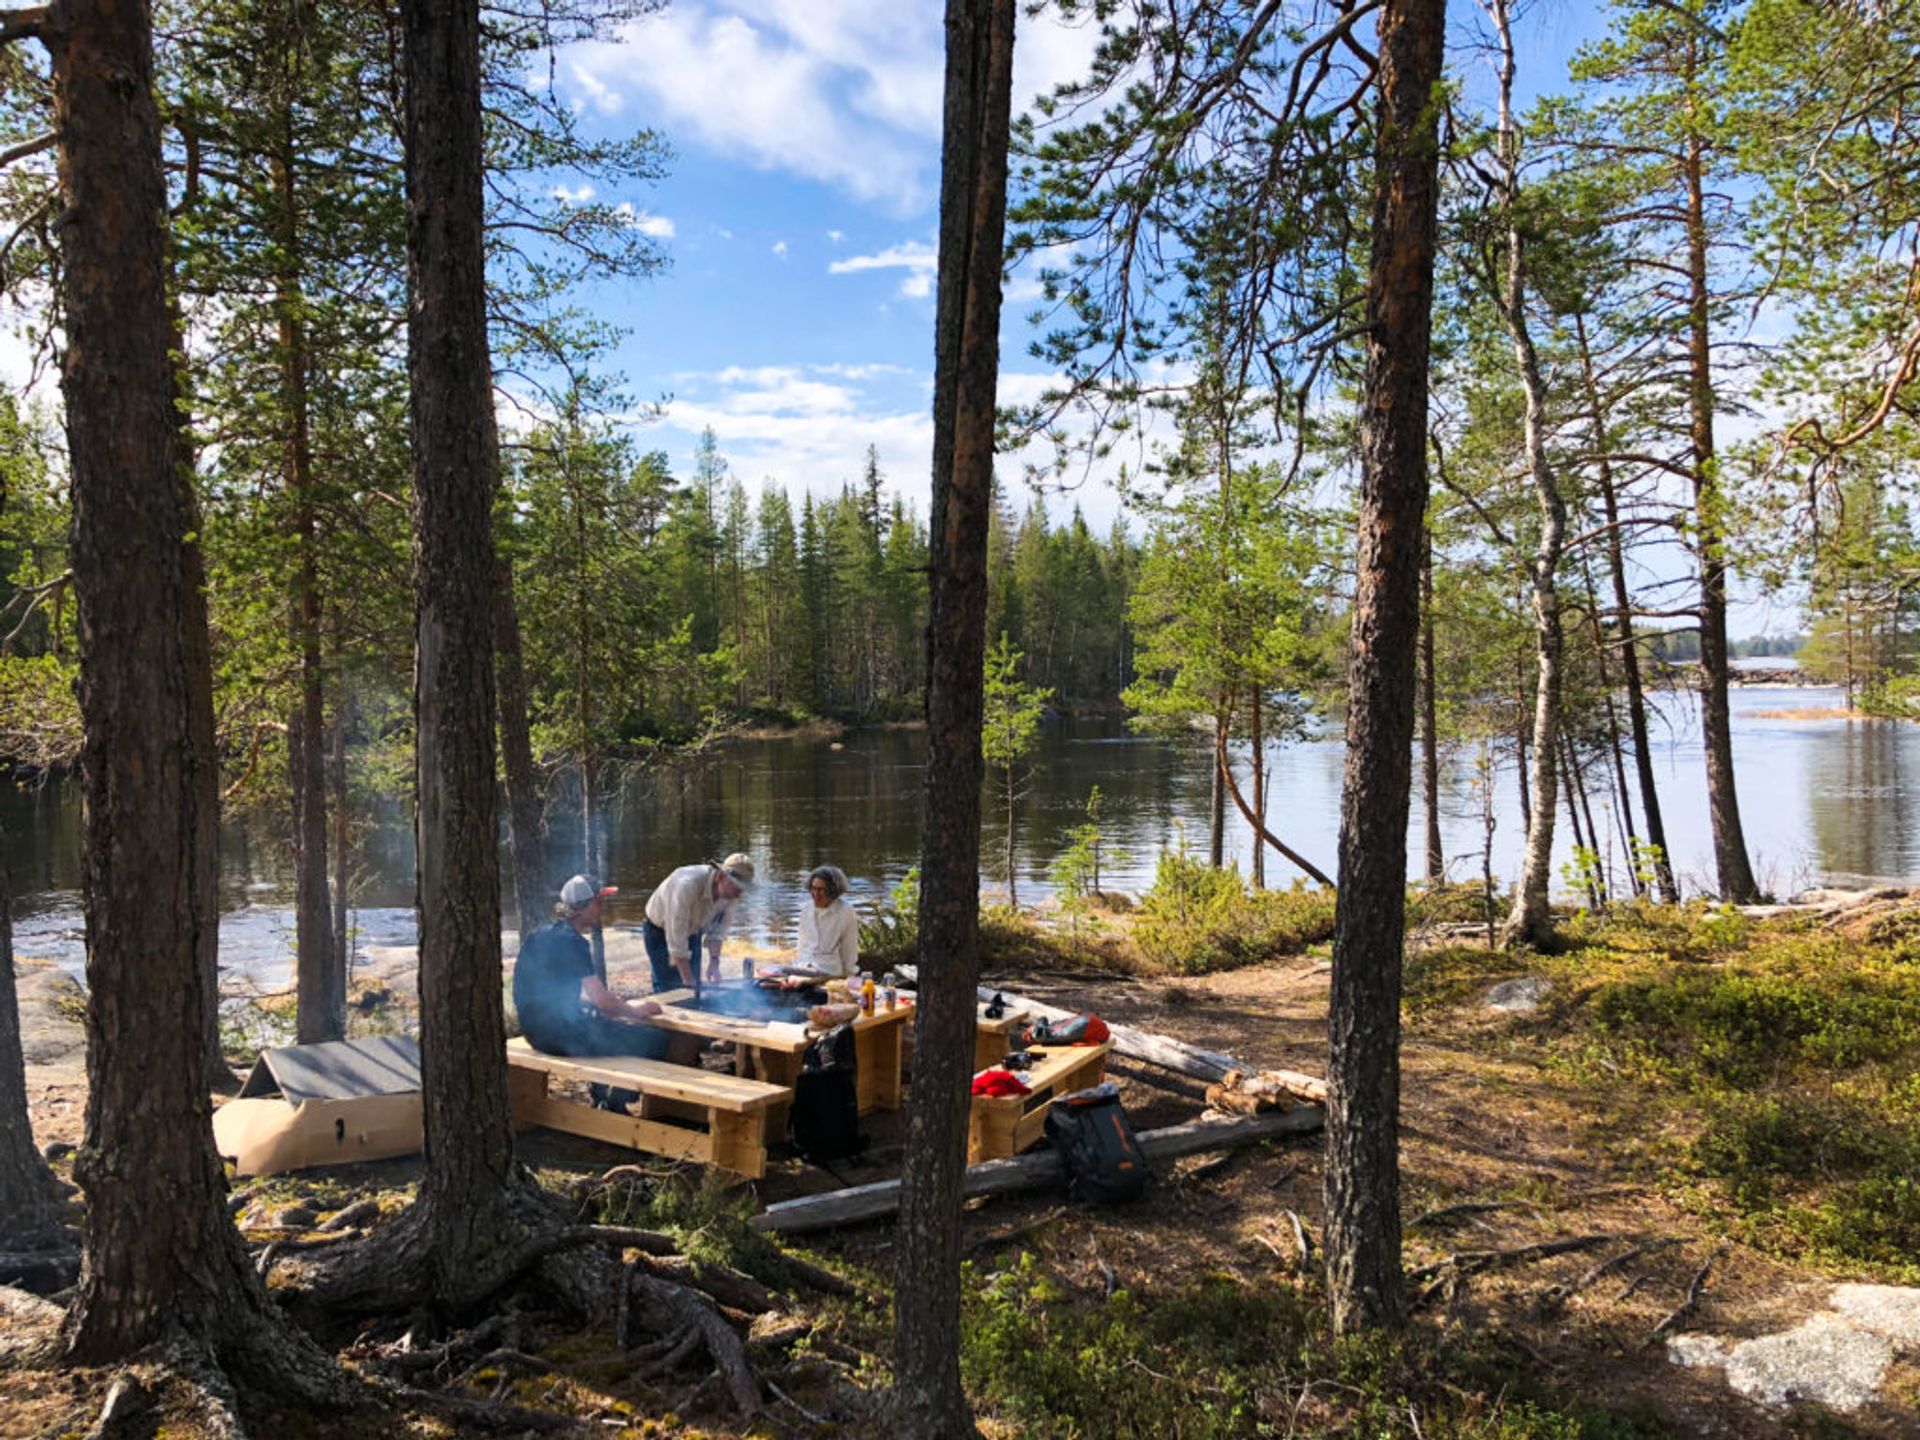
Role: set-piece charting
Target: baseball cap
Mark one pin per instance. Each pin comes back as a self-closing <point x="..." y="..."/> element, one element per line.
<point x="580" y="891"/>
<point x="739" y="868"/>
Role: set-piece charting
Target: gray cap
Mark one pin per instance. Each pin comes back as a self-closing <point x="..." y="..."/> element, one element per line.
<point x="739" y="868"/>
<point x="580" y="892"/>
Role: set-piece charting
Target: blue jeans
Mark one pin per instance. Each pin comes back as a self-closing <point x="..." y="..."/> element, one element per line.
<point x="665" y="976"/>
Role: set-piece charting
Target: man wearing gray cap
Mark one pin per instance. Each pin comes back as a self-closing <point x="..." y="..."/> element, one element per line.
<point x="688" y="914"/>
<point x="564" y="1007"/>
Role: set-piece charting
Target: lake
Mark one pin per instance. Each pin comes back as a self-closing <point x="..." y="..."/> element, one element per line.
<point x="1822" y="799"/>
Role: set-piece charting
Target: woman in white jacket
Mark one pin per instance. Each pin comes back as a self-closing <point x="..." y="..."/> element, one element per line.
<point x="829" y="928"/>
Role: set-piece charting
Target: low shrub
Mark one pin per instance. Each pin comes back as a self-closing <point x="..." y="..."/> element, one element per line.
<point x="1216" y="1358"/>
<point x="1197" y="919"/>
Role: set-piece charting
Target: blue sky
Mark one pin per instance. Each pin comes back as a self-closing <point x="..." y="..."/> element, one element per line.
<point x="796" y="318"/>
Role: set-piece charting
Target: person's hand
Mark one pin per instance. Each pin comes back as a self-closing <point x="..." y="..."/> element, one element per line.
<point x="644" y="1009"/>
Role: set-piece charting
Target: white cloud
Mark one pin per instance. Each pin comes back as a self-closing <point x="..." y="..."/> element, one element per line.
<point x="780" y="248"/>
<point x="836" y="236"/>
<point x="808" y="427"/>
<point x="594" y="90"/>
<point x="918" y="260"/>
<point x="577" y="196"/>
<point x="847" y="93"/>
<point x="659" y="227"/>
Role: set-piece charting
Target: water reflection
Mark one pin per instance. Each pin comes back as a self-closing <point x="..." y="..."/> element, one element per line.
<point x="1820" y="799"/>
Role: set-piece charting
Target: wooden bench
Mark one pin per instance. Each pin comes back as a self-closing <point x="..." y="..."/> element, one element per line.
<point x="1003" y="1125"/>
<point x="734" y="1111"/>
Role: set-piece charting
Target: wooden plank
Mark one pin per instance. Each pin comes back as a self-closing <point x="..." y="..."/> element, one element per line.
<point x="651" y="1077"/>
<point x="1026" y="1172"/>
<point x="739" y="1143"/>
<point x="676" y="1015"/>
<point x="876" y="1049"/>
<point x="651" y="1136"/>
<point x="525" y="1085"/>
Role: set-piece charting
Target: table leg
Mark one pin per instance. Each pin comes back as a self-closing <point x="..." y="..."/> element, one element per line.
<point x="876" y="1051"/>
<point x="777" y="1067"/>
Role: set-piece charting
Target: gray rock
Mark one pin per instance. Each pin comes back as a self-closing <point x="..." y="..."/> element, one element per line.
<point x="1825" y="1360"/>
<point x="1698" y="1352"/>
<point x="1518" y="996"/>
<point x="1889" y="1310"/>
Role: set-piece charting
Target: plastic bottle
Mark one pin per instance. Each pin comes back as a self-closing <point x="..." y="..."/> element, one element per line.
<point x="866" y="995"/>
<point x="889" y="996"/>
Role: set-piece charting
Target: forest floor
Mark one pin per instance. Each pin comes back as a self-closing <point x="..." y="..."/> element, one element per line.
<point x="1713" y="1088"/>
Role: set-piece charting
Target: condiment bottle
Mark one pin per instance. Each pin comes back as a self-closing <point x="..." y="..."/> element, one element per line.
<point x="889" y="997"/>
<point x="866" y="995"/>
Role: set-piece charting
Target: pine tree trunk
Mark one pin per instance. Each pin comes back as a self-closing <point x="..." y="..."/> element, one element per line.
<point x="342" y="956"/>
<point x="1217" y="803"/>
<point x="1623" y="626"/>
<point x="163" y="1260"/>
<point x="929" y="1403"/>
<point x="322" y="986"/>
<point x="1363" y="1021"/>
<point x="1430" y="723"/>
<point x="27" y="1187"/>
<point x="199" y="641"/>
<point x="470" y="1177"/>
<point x="1737" y="885"/>
<point x="530" y="887"/>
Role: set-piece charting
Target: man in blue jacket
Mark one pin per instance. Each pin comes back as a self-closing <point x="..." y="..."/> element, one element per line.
<point x="564" y="1007"/>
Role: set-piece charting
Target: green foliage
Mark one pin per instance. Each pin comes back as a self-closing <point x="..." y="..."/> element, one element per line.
<point x="891" y="935"/>
<point x="39" y="712"/>
<point x="1196" y="919"/>
<point x="1772" y="1065"/>
<point x="1215" y="1358"/>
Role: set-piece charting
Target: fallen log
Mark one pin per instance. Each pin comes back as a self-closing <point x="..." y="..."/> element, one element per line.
<point x="1242" y="1094"/>
<point x="1027" y="1172"/>
<point x="1144" y="1045"/>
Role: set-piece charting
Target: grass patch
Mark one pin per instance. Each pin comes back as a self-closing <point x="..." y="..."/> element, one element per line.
<point x="1779" y="1059"/>
<point x="1217" y="1358"/>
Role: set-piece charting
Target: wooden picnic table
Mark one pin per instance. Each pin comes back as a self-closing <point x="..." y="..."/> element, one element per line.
<point x="775" y="1050"/>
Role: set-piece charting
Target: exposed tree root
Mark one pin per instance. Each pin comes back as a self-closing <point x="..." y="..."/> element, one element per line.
<point x="1455" y="1269"/>
<point x="1556" y="1296"/>
<point x="680" y="1308"/>
<point x="490" y="1414"/>
<point x="1695" y="1289"/>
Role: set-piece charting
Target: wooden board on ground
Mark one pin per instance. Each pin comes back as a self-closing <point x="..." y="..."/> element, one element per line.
<point x="1029" y="1172"/>
<point x="733" y="1110"/>
<point x="1001" y="1125"/>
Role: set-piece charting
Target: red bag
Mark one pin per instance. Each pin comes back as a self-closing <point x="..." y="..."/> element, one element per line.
<point x="1081" y="1029"/>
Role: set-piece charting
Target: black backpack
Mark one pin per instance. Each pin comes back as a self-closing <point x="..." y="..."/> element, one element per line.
<point x="826" y="1100"/>
<point x="1099" y="1156"/>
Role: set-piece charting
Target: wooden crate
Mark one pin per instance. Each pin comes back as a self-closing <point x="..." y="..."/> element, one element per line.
<point x="1002" y="1125"/>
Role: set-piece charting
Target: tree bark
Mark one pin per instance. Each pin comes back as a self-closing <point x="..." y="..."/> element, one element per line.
<point x="342" y="956"/>
<point x="467" y="1192"/>
<point x="1623" y="628"/>
<point x="530" y="887"/>
<point x="1217" y="805"/>
<point x="321" y="984"/>
<point x="163" y="1261"/>
<point x="28" y="1189"/>
<point x="1531" y="920"/>
<point x="1363" y="1072"/>
<point x="929" y="1403"/>
<point x="1737" y="885"/>
<point x="199" y="641"/>
<point x="1430" y="723"/>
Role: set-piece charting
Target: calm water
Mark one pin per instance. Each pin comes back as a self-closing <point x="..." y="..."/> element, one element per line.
<point x="1820" y="799"/>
